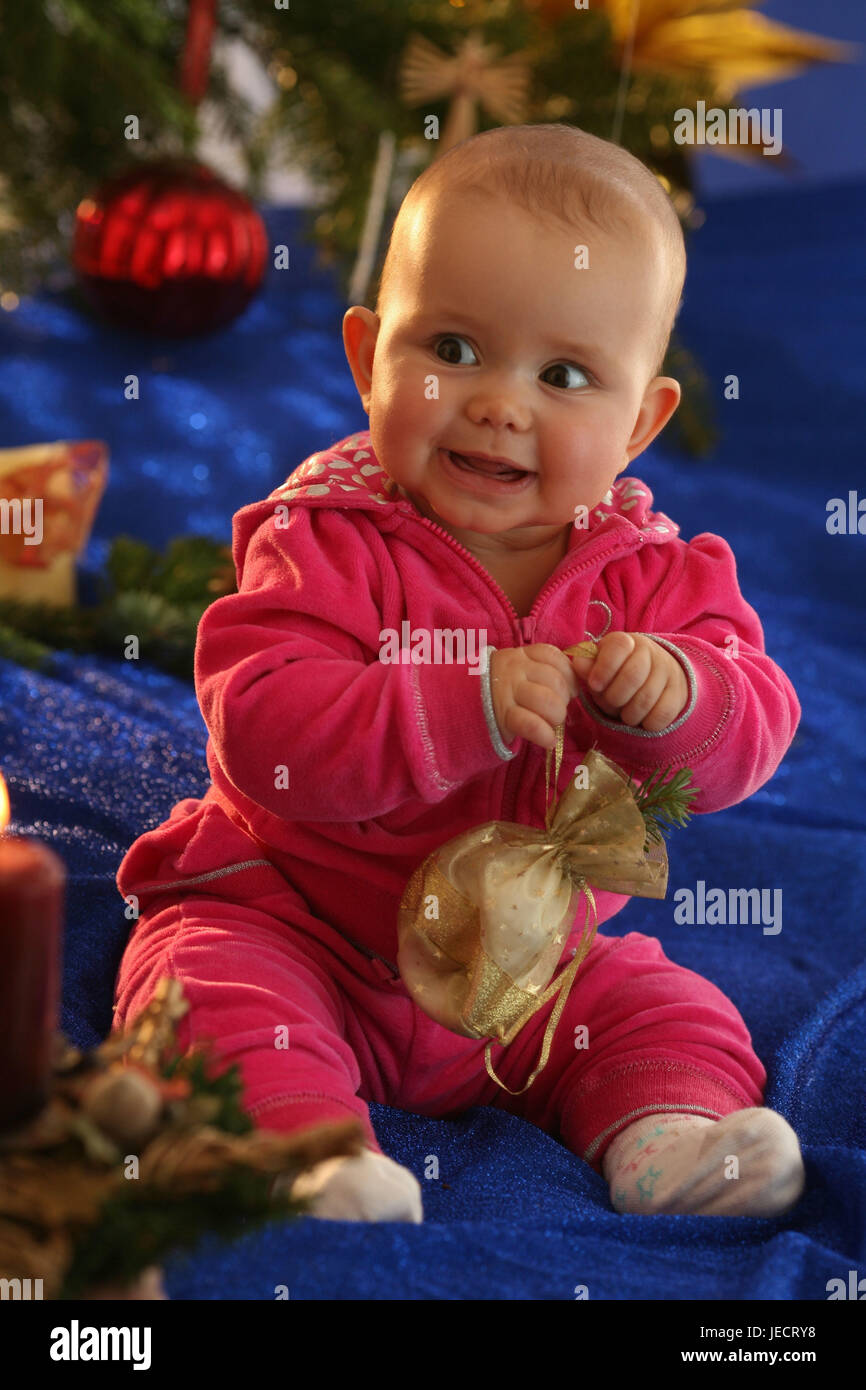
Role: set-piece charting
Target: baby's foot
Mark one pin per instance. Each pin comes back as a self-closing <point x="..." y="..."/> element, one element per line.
<point x="368" y="1187"/>
<point x="746" y="1164"/>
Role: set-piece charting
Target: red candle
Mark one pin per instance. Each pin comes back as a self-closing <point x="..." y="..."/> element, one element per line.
<point x="32" y="879"/>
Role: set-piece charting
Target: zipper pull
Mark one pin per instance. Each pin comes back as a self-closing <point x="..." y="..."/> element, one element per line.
<point x="384" y="970"/>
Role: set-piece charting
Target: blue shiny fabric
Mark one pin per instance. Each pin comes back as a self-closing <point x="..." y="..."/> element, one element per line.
<point x="98" y="750"/>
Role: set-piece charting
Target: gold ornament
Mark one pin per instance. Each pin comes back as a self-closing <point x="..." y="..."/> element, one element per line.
<point x="589" y="649"/>
<point x="505" y="898"/>
<point x="126" y="1106"/>
<point x="469" y="77"/>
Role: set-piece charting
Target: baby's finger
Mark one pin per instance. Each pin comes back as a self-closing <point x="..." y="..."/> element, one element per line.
<point x="524" y="724"/>
<point x="644" y="699"/>
<point x="613" y="651"/>
<point x="550" y="657"/>
<point x="663" y="713"/>
<point x="634" y="672"/>
<point x="560" y="679"/>
<point x="543" y="699"/>
<point x="582" y="657"/>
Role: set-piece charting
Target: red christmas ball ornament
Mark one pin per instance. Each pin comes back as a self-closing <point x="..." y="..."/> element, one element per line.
<point x="169" y="248"/>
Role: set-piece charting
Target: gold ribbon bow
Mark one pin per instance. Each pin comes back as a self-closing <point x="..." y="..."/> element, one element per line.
<point x="483" y="920"/>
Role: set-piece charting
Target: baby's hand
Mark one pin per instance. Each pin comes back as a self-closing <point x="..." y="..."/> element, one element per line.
<point x="634" y="678"/>
<point x="531" y="687"/>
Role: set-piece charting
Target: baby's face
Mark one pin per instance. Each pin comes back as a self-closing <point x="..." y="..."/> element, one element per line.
<point x="494" y="343"/>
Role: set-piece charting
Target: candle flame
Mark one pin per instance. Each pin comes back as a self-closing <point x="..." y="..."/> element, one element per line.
<point x="4" y="805"/>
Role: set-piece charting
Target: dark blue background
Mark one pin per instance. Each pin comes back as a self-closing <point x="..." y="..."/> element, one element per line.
<point x="823" y="109"/>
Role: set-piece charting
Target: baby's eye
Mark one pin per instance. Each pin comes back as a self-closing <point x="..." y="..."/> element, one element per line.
<point x="452" y="338"/>
<point x="564" y="368"/>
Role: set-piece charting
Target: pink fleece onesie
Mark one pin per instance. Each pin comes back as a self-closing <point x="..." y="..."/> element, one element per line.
<point x="334" y="773"/>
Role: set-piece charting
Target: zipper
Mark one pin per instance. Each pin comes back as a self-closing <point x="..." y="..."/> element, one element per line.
<point x="551" y="585"/>
<point x="476" y="565"/>
<point x="515" y="768"/>
<point x="384" y="968"/>
<point x="370" y="954"/>
<point x="547" y="588"/>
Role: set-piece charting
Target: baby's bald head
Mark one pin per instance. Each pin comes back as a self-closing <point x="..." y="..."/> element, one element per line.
<point x="564" y="176"/>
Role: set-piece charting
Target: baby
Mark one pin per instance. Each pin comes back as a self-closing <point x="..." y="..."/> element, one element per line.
<point x="510" y="374"/>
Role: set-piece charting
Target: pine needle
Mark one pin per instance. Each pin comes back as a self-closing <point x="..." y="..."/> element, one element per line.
<point x="664" y="803"/>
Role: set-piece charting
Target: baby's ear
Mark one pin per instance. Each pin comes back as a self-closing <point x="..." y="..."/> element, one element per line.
<point x="661" y="399"/>
<point x="360" y="331"/>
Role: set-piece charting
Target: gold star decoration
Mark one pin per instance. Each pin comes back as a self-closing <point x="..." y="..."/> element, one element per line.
<point x="722" y="40"/>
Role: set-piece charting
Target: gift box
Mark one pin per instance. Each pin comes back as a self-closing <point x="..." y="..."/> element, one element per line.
<point x="49" y="495"/>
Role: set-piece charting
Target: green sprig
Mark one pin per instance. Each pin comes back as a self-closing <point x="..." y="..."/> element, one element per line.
<point x="664" y="803"/>
<point x="159" y="598"/>
<point x="144" y="1224"/>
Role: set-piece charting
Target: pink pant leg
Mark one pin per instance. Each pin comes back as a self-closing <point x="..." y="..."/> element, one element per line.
<point x="658" y="1037"/>
<point x="247" y="978"/>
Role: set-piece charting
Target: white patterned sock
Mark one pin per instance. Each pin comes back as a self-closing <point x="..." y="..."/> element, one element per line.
<point x="746" y="1164"/>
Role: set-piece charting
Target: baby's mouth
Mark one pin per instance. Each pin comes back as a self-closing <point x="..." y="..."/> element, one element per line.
<point x="471" y="464"/>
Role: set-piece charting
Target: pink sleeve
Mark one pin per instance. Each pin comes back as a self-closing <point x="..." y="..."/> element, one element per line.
<point x="304" y="718"/>
<point x="742" y="711"/>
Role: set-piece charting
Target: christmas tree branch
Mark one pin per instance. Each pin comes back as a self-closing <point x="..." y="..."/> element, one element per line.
<point x="664" y="803"/>
<point x="158" y="598"/>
